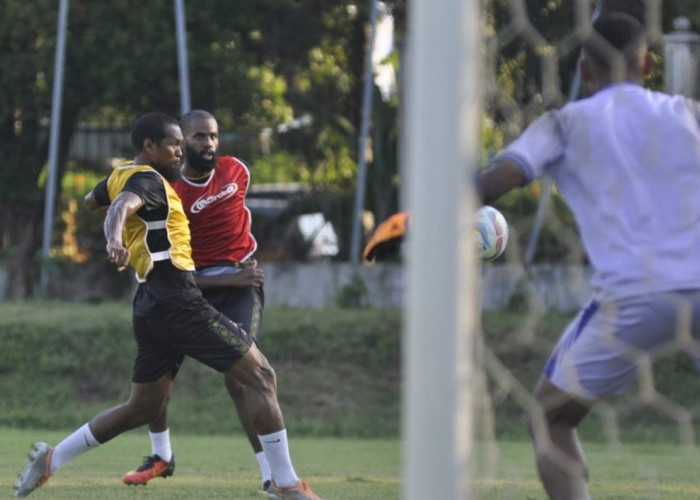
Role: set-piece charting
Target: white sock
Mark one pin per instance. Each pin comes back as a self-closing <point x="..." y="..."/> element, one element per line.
<point x="160" y="444"/>
<point x="264" y="466"/>
<point x="277" y="452"/>
<point x="77" y="443"/>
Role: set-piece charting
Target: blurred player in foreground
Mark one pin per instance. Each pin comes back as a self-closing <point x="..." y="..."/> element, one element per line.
<point x="213" y="190"/>
<point x="627" y="160"/>
<point x="146" y="227"/>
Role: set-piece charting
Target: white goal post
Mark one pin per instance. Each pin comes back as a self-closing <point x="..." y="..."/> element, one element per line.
<point x="441" y="148"/>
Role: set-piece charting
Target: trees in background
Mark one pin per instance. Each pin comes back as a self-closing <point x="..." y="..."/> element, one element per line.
<point x="257" y="64"/>
<point x="531" y="57"/>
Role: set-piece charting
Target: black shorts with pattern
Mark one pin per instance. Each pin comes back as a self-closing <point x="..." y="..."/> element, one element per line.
<point x="173" y="320"/>
<point x="244" y="306"/>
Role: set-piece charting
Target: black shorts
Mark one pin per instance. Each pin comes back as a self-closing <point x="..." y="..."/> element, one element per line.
<point x="243" y="306"/>
<point x="173" y="320"/>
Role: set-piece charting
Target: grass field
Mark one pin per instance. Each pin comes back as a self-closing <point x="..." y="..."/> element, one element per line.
<point x="208" y="468"/>
<point x="632" y="472"/>
<point x="221" y="467"/>
<point x="60" y="363"/>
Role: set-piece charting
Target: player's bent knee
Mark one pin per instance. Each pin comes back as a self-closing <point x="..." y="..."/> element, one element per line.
<point x="254" y="371"/>
<point x="264" y="379"/>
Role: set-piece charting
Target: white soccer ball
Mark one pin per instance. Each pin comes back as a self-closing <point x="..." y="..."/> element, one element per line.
<point x="491" y="230"/>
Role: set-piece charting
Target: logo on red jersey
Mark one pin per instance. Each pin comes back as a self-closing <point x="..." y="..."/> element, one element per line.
<point x="203" y="202"/>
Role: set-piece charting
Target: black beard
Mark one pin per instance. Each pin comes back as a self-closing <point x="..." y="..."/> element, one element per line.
<point x="198" y="163"/>
<point x="171" y="174"/>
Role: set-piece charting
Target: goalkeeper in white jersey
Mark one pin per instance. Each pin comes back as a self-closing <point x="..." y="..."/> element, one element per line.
<point x="627" y="161"/>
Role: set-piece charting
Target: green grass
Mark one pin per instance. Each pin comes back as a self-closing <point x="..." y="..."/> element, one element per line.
<point x="222" y="467"/>
<point x="339" y="384"/>
<point x="339" y="373"/>
<point x="632" y="472"/>
<point x="208" y="468"/>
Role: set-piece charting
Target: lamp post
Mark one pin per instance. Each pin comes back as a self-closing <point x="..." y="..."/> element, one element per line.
<point x="681" y="57"/>
<point x="54" y="139"/>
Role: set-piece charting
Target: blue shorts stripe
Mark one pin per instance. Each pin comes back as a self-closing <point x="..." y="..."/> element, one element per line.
<point x="588" y="313"/>
<point x="570" y="337"/>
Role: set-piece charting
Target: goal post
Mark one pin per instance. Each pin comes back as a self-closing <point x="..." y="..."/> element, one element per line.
<point x="442" y="145"/>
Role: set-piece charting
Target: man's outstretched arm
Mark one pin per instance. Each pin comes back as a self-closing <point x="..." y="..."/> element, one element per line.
<point x="125" y="204"/>
<point x="499" y="178"/>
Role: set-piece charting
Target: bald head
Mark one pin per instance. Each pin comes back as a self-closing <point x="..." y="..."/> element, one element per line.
<point x="188" y="120"/>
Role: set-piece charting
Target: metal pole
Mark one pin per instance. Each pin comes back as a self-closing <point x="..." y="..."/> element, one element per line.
<point x="443" y="144"/>
<point x="182" y="66"/>
<point x="364" y="130"/>
<point x="50" y="199"/>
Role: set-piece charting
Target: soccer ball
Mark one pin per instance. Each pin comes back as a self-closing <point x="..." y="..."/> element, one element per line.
<point x="491" y="231"/>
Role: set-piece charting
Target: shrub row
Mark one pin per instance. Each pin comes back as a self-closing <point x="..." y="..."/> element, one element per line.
<point x="60" y="363"/>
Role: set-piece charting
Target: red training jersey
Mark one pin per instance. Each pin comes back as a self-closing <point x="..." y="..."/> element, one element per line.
<point x="219" y="219"/>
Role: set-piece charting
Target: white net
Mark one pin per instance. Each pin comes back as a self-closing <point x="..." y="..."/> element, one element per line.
<point x="639" y="445"/>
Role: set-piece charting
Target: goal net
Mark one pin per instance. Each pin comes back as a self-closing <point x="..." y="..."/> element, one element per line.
<point x="477" y="337"/>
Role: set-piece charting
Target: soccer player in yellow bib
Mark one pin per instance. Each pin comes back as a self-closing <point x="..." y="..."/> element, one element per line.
<point x="146" y="227"/>
<point x="213" y="189"/>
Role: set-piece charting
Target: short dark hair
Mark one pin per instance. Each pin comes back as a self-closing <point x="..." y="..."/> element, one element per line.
<point x="635" y="8"/>
<point x="150" y="126"/>
<point x="615" y="30"/>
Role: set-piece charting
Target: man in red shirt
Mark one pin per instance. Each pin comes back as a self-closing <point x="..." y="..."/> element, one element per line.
<point x="213" y="190"/>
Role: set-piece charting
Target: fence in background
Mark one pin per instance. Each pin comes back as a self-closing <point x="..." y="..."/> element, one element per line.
<point x="320" y="285"/>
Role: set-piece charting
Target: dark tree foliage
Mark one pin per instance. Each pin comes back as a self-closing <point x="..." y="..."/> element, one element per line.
<point x="254" y="63"/>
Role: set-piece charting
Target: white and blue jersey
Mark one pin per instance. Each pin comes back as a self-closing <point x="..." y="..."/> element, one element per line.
<point x="627" y="161"/>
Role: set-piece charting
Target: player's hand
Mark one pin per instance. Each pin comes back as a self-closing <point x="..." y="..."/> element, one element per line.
<point x="251" y="276"/>
<point x="118" y="254"/>
<point x="246" y="277"/>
